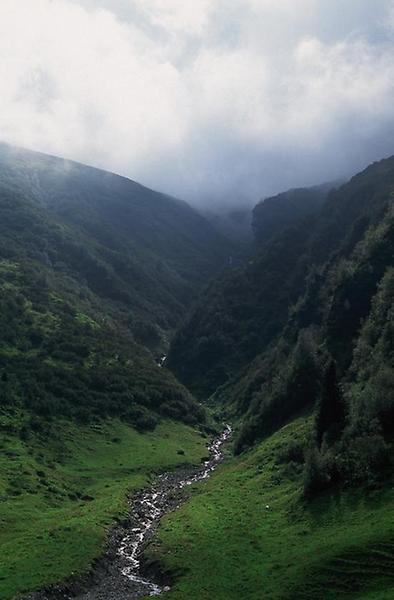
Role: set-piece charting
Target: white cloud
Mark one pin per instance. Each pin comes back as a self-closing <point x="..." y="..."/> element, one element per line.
<point x="186" y="16"/>
<point x="207" y="100"/>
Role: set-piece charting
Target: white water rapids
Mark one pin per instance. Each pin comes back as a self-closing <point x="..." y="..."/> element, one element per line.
<point x="152" y="506"/>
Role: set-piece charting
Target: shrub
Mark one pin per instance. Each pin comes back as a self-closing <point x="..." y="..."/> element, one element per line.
<point x="317" y="472"/>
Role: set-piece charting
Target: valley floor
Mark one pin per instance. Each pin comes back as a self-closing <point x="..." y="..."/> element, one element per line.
<point x="247" y="534"/>
<point x="61" y="491"/>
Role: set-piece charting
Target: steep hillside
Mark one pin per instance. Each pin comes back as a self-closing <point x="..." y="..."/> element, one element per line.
<point x="95" y="273"/>
<point x="242" y="311"/>
<point x="234" y="224"/>
<point x="272" y="215"/>
<point x="153" y="251"/>
<point x="351" y="255"/>
<point x="239" y="314"/>
<point x="289" y="331"/>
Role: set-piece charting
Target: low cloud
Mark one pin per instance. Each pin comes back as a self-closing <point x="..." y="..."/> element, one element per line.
<point x="217" y="102"/>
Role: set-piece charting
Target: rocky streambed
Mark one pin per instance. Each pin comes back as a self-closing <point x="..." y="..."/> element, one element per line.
<point x="118" y="574"/>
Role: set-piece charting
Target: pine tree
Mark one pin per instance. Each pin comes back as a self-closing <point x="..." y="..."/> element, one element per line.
<point x="331" y="409"/>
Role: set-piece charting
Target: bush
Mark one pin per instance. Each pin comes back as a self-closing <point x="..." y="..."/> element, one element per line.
<point x="294" y="452"/>
<point x="317" y="472"/>
<point x="363" y="459"/>
<point x="330" y="417"/>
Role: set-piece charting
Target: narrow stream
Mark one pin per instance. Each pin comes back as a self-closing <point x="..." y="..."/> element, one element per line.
<point x="117" y="575"/>
<point x="153" y="505"/>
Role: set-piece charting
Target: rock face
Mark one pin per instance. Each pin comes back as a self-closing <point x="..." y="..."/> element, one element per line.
<point x="118" y="575"/>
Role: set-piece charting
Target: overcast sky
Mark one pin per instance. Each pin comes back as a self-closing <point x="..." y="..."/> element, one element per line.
<point x="214" y="101"/>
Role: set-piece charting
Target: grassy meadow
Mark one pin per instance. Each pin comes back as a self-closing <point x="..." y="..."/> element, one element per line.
<point x="61" y="490"/>
<point x="247" y="533"/>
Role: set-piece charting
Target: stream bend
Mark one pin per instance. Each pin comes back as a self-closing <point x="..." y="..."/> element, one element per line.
<point x="117" y="575"/>
<point x="152" y="505"/>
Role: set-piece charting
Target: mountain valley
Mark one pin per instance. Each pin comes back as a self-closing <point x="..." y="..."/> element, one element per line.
<point x="289" y="338"/>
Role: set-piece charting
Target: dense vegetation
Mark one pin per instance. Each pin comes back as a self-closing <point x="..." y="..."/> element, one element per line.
<point x="296" y="347"/>
<point x="128" y="243"/>
<point x="308" y="323"/>
<point x="95" y="273"/>
<point x="273" y="215"/>
<point x="246" y="308"/>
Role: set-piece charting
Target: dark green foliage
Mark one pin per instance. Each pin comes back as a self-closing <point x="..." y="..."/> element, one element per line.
<point x="95" y="273"/>
<point x="308" y="323"/>
<point x="317" y="476"/>
<point x="321" y="271"/>
<point x="372" y="389"/>
<point x="295" y="386"/>
<point x="272" y="215"/>
<point x="365" y="450"/>
<point x="128" y="244"/>
<point x="330" y="413"/>
<point x="239" y="315"/>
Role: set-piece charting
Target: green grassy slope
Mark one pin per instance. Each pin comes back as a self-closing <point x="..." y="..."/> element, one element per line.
<point x="61" y="490"/>
<point x="247" y="533"/>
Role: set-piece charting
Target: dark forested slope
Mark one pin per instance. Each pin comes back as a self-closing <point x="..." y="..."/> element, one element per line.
<point x="244" y="309"/>
<point x="156" y="250"/>
<point x="308" y="323"/>
<point x="272" y="215"/>
<point x="95" y="273"/>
